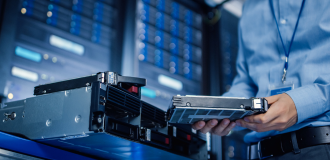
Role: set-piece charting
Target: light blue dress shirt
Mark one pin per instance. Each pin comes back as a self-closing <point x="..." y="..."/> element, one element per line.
<point x="261" y="58"/>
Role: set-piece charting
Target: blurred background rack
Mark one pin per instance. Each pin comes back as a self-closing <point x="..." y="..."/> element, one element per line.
<point x="185" y="47"/>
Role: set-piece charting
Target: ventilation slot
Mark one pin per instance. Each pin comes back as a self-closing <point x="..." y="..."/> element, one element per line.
<point x="122" y="100"/>
<point x="237" y="115"/>
<point x="153" y="113"/>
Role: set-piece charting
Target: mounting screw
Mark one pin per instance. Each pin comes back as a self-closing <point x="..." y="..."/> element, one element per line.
<point x="188" y="104"/>
<point x="66" y="93"/>
<point x="242" y="106"/>
<point x="77" y="118"/>
<point x="12" y="116"/>
<point x="48" y="122"/>
<point x="44" y="91"/>
<point x="99" y="120"/>
<point x="88" y="84"/>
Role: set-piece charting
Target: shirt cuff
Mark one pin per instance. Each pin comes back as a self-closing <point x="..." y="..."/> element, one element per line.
<point x="308" y="101"/>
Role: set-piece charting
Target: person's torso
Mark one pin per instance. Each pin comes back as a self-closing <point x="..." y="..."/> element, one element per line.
<point x="310" y="52"/>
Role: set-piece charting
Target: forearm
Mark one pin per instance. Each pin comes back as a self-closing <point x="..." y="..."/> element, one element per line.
<point x="312" y="100"/>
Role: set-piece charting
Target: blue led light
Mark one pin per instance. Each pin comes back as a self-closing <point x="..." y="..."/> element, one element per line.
<point x="159" y="58"/>
<point x="160" y="21"/>
<point x="175" y="28"/>
<point x="161" y="5"/>
<point x="159" y="39"/>
<point x="30" y="55"/>
<point x="148" y="92"/>
<point x="174" y="49"/>
<point x="144" y="51"/>
<point x="176" y="61"/>
<point x="148" y="1"/>
<point x="188" y="17"/>
<point x="146" y="8"/>
<point x="175" y="10"/>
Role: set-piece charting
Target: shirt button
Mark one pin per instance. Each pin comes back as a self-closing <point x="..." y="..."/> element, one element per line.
<point x="283" y="21"/>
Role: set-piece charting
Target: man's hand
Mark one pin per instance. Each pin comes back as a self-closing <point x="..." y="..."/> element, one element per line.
<point x="212" y="126"/>
<point x="281" y="115"/>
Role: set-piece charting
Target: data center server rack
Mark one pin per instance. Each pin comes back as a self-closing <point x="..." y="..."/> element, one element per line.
<point x="40" y="39"/>
<point x="167" y="48"/>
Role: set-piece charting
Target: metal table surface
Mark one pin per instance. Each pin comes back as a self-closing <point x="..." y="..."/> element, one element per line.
<point x="35" y="149"/>
<point x="98" y="146"/>
<point x="105" y="146"/>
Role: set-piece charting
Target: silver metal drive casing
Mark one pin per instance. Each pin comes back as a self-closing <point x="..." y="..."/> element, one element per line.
<point x="190" y="109"/>
<point x="52" y="115"/>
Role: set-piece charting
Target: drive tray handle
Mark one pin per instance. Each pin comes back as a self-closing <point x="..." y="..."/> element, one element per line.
<point x="133" y="80"/>
<point x="259" y="104"/>
<point x="113" y="78"/>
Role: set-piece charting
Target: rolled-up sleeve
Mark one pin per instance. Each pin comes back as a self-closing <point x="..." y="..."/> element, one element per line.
<point x="312" y="100"/>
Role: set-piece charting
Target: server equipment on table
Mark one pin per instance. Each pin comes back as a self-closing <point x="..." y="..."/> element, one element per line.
<point x="190" y="109"/>
<point x="131" y="84"/>
<point x="79" y="114"/>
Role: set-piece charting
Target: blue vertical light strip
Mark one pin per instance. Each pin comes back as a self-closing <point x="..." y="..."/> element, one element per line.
<point x="53" y="19"/>
<point x="160" y="21"/>
<point x="96" y="32"/>
<point x="78" y="7"/>
<point x="188" y="70"/>
<point x="98" y="11"/>
<point x="147" y="1"/>
<point x="188" y="17"/>
<point x="160" y="42"/>
<point x="144" y="51"/>
<point x="189" y="49"/>
<point x="98" y="16"/>
<point x="161" y="5"/>
<point x="188" y="34"/>
<point x="175" y="10"/>
<point x="75" y="24"/>
<point x="159" y="58"/>
<point x="175" y="48"/>
<point x="228" y="61"/>
<point x="146" y="9"/>
<point x="146" y="32"/>
<point x="175" y="28"/>
<point x="28" y="5"/>
<point x="175" y="60"/>
<point x="28" y="54"/>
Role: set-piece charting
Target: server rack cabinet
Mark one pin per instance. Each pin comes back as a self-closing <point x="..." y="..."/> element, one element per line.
<point x="167" y="49"/>
<point x="1" y="19"/>
<point x="49" y="40"/>
<point x="229" y="48"/>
